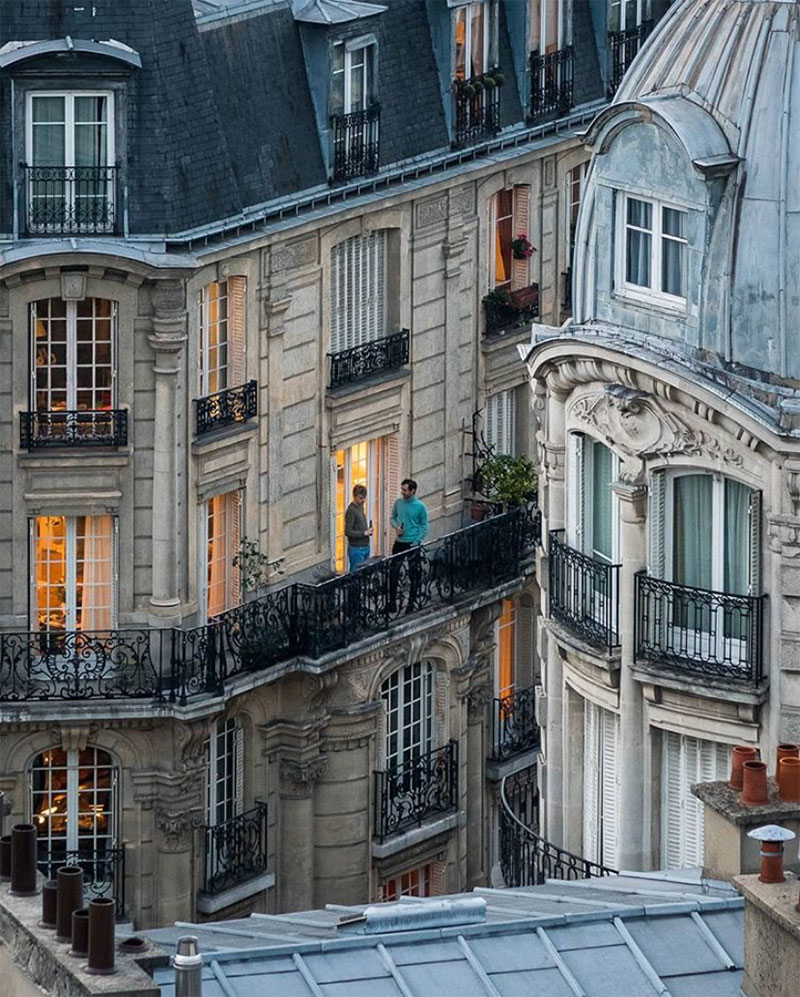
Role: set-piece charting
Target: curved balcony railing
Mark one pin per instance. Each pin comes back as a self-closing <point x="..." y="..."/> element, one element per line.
<point x="235" y="850"/>
<point x="699" y="631"/>
<point x="80" y="428"/>
<point x="175" y="665"/>
<point x="551" y="82"/>
<point x="514" y="727"/>
<point x="528" y="859"/>
<point x="70" y="200"/>
<point x="356" y="143"/>
<point x="377" y="357"/>
<point x="411" y="792"/>
<point x="584" y="594"/>
<point x="228" y="407"/>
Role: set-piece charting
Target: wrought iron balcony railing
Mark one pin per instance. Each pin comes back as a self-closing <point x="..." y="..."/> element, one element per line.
<point x="103" y="869"/>
<point x="410" y="792"/>
<point x="699" y="631"/>
<point x="377" y="357"/>
<point x="584" y="594"/>
<point x="356" y="143"/>
<point x="528" y="859"/>
<point x="514" y="727"/>
<point x="175" y="665"/>
<point x="507" y="311"/>
<point x="79" y="428"/>
<point x="623" y="47"/>
<point x="70" y="200"/>
<point x="228" y="407"/>
<point x="235" y="850"/>
<point x="551" y="82"/>
<point x="477" y="107"/>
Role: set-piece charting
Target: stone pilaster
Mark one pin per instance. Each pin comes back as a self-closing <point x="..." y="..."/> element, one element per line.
<point x="166" y="342"/>
<point x="274" y="314"/>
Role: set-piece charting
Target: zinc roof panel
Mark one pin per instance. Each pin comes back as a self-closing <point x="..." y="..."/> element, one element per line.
<point x="362" y="988"/>
<point x="424" y="952"/>
<point x="283" y="984"/>
<point x="444" y="979"/>
<point x="725" y="983"/>
<point x="350" y="964"/>
<point x="584" y="936"/>
<point x="511" y="953"/>
<point x="532" y="983"/>
<point x="673" y="944"/>
<point x="608" y="972"/>
<point x="726" y="925"/>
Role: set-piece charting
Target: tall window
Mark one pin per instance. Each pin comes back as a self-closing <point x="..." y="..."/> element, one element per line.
<point x="576" y="180"/>
<point x="408" y="699"/>
<point x="471" y="36"/>
<point x="546" y="25"/>
<point x="654" y="254"/>
<point x="600" y="784"/>
<point x="70" y="147"/>
<point x="594" y="516"/>
<point x="222" y="335"/>
<point x="224" y="779"/>
<point x="358" y="290"/>
<point x="72" y="347"/>
<point x="626" y="14"/>
<point x="222" y="537"/>
<point x="73" y="805"/>
<point x="353" y="83"/>
<point x="373" y="464"/>
<point x="499" y="423"/>
<point x="686" y="760"/>
<point x="509" y="218"/>
<point x="506" y="649"/>
<point x="74" y="573"/>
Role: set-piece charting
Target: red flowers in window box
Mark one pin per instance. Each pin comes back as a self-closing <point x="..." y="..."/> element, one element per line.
<point x="522" y="248"/>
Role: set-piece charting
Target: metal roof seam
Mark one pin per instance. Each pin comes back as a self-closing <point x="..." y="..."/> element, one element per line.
<point x="222" y="979"/>
<point x="477" y="968"/>
<point x="307" y="975"/>
<point x="641" y="959"/>
<point x="391" y="965"/>
<point x="713" y="942"/>
<point x="562" y="967"/>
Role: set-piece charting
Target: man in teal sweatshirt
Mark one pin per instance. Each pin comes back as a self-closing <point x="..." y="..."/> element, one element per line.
<point x="409" y="520"/>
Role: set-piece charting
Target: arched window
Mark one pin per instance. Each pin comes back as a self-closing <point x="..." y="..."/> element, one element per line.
<point x="73" y="807"/>
<point x="408" y="697"/>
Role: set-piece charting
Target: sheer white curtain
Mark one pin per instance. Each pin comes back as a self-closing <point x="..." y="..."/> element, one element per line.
<point x="639" y="225"/>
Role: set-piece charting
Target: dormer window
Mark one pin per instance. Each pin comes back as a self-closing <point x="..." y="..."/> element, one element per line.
<point x="70" y="173"/>
<point x="355" y="114"/>
<point x="652" y="256"/>
<point x="476" y="77"/>
<point x="471" y="35"/>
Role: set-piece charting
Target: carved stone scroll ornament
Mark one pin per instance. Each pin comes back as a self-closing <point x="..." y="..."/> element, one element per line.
<point x="635" y="423"/>
<point x="177" y="827"/>
<point x="479" y="697"/>
<point x="300" y="776"/>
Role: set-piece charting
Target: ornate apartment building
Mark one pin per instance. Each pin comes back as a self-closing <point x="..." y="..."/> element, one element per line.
<point x="667" y="430"/>
<point x="244" y="252"/>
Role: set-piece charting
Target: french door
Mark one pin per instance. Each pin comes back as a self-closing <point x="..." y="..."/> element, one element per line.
<point x="408" y="699"/>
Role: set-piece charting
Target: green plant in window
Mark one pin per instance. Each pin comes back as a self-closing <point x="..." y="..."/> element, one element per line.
<point x="507" y="480"/>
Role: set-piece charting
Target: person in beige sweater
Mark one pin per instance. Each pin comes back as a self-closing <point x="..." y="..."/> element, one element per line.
<point x="356" y="529"/>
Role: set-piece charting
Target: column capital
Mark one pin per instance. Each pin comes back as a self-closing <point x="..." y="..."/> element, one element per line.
<point x="632" y="497"/>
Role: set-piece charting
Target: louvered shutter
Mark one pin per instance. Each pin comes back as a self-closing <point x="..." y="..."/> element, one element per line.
<point x="672" y="797"/>
<point x="235" y="503"/>
<point x="114" y="570"/>
<point x="591" y="781"/>
<point x="526" y="639"/>
<point x="337" y="297"/>
<point x="237" y="323"/>
<point x="391" y="484"/>
<point x="509" y="403"/>
<point x="657" y="524"/>
<point x="576" y="491"/>
<point x="695" y="756"/>
<point x="238" y="769"/>
<point x="754" y="575"/>
<point x="520" y="269"/>
<point x="609" y="738"/>
<point x="490" y="422"/>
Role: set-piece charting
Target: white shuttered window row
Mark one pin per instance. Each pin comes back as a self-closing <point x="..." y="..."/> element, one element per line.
<point x="500" y="421"/>
<point x="358" y="290"/>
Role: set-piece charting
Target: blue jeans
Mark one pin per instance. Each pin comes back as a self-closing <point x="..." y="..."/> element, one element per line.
<point x="356" y="557"/>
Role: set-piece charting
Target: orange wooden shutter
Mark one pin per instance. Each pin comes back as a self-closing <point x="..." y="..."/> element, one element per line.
<point x="520" y="269"/>
<point x="237" y="324"/>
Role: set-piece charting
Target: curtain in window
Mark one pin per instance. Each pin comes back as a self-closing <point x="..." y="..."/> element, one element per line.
<point x="692" y="523"/>
<point x="737" y="537"/>
<point x="49" y="131"/>
<point x="601" y="502"/>
<point x="94" y="597"/>
<point x="673" y="252"/>
<point x="477" y="26"/>
<point x="639" y="248"/>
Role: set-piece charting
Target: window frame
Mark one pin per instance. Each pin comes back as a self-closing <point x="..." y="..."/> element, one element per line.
<point x="415" y="738"/>
<point x="359" y="317"/>
<point x="642" y="14"/>
<point x="652" y="294"/>
<point x="535" y="37"/>
<point x="234" y="515"/>
<point x="368" y="45"/>
<point x="488" y="36"/>
<point x="503" y="404"/>
<point x="225" y="746"/>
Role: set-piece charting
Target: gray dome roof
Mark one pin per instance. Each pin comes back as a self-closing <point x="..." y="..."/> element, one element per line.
<point x="738" y="61"/>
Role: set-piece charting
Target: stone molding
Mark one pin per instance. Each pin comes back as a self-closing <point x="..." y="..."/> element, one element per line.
<point x="290" y="255"/>
<point x="300" y="777"/>
<point x="479" y="697"/>
<point x="177" y="827"/>
<point x="432" y="211"/>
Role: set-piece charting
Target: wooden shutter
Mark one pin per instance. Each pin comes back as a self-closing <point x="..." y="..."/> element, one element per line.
<point x="238" y="769"/>
<point x="237" y="330"/>
<point x="520" y="269"/>
<point x="509" y="402"/>
<point x="526" y="642"/>
<point x="754" y="575"/>
<point x="235" y="503"/>
<point x="671" y="801"/>
<point x="591" y="781"/>
<point x="337" y="297"/>
<point x="576" y="491"/>
<point x="609" y="737"/>
<point x="391" y="484"/>
<point x="657" y="515"/>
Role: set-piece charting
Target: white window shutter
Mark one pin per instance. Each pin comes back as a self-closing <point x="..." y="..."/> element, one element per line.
<point x="520" y="269"/>
<point x="591" y="781"/>
<point x="693" y="751"/>
<point x="672" y="795"/>
<point x="609" y="786"/>
<point x="237" y="323"/>
<point x="490" y="422"/>
<point x="510" y="398"/>
<point x="657" y="522"/>
<point x="238" y="769"/>
<point x="754" y="577"/>
<point x="576" y="491"/>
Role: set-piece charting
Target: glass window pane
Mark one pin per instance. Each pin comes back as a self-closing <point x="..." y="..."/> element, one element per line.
<point x="640" y="213"/>
<point x="637" y="265"/>
<point x="737" y="537"/>
<point x="674" y="222"/>
<point x="692" y="525"/>
<point x="673" y="264"/>
<point x="601" y="502"/>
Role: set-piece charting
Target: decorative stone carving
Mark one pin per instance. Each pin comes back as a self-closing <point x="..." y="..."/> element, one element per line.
<point x="462" y="201"/>
<point x="73" y="286"/>
<point x="300" y="776"/>
<point x="317" y="688"/>
<point x="430" y="212"/>
<point x="177" y="827"/>
<point x="76" y="736"/>
<point x="479" y="698"/>
<point x="294" y="254"/>
<point x="635" y="422"/>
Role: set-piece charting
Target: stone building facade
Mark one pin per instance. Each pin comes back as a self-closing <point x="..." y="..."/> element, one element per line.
<point x="225" y="298"/>
<point x="667" y="442"/>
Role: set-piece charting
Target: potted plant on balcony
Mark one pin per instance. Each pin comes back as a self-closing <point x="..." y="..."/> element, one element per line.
<point x="522" y="248"/>
<point x="509" y="481"/>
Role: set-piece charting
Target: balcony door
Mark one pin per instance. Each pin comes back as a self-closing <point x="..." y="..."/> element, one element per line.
<point x="408" y="700"/>
<point x="222" y="336"/>
<point x="70" y="159"/>
<point x="547" y="26"/>
<point x="358" y="302"/>
<point x="73" y="807"/>
<point x="353" y="78"/>
<point x="225" y="772"/>
<point x="509" y="217"/>
<point x="221" y="529"/>
<point x="73" y="585"/>
<point x="471" y="39"/>
<point x="374" y="464"/>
